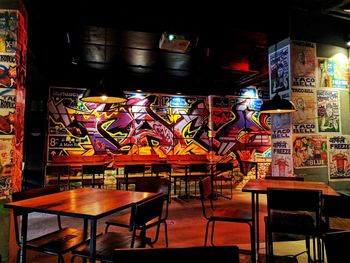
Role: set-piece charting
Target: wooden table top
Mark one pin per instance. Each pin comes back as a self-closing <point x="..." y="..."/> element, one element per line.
<point x="90" y="203"/>
<point x="260" y="186"/>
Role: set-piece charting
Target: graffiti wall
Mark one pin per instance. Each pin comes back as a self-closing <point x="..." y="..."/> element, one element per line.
<point x="146" y="124"/>
<point x="157" y="124"/>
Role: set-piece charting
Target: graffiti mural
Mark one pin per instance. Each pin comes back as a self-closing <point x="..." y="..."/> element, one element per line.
<point x="158" y="124"/>
<point x="145" y="124"/>
<point x="239" y="130"/>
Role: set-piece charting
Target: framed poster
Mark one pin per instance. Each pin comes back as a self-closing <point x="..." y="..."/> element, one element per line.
<point x="279" y="66"/>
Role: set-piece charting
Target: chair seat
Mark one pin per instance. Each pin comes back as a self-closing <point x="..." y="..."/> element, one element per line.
<point x="231" y="215"/>
<point x="58" y="242"/>
<point x="292" y="222"/>
<point x="106" y="243"/>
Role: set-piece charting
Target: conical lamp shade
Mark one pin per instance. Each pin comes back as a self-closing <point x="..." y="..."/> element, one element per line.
<point x="104" y="93"/>
<point x="277" y="106"/>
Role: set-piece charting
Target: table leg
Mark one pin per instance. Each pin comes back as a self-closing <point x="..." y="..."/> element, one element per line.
<point x="93" y="240"/>
<point x="255" y="227"/>
<point x="23" y="248"/>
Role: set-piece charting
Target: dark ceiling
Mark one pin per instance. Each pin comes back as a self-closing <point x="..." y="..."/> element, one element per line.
<point x="228" y="42"/>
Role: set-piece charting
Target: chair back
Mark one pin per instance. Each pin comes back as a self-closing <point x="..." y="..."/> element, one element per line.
<point x="93" y="169"/>
<point x="134" y="169"/>
<point x="148" y="184"/>
<point x="223" y="167"/>
<point x="57" y="175"/>
<point x="337" y="245"/>
<point x="143" y="212"/>
<point x="198" y="168"/>
<point x="96" y="171"/>
<point x="178" y="254"/>
<point x="295" y="211"/>
<point x="294" y="199"/>
<point x="159" y="168"/>
<point x="31" y="193"/>
<point x="155" y="185"/>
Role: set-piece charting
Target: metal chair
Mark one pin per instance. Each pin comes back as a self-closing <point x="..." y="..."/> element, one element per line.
<point x="57" y="242"/>
<point x="147" y="184"/>
<point x="295" y="212"/>
<point x="131" y="172"/>
<point x="58" y="175"/>
<point x="141" y="214"/>
<point x="224" y="174"/>
<point x="95" y="175"/>
<point x="233" y="215"/>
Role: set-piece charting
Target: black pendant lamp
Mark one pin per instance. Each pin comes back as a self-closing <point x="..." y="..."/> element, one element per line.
<point x="277" y="106"/>
<point x="106" y="92"/>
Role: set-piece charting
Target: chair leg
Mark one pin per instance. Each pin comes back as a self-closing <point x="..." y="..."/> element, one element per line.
<point x="212" y="234"/>
<point x="166" y="233"/>
<point x="206" y="233"/>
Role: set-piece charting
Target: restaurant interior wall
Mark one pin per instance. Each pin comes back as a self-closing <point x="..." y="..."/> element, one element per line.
<point x="317" y="135"/>
<point x="226" y="128"/>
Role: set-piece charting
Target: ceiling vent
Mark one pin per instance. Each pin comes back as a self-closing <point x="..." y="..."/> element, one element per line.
<point x="174" y="43"/>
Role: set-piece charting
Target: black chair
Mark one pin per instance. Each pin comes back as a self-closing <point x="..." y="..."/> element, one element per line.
<point x="58" y="175"/>
<point x="147" y="184"/>
<point x="57" y="242"/>
<point x="141" y="214"/>
<point x="161" y="169"/>
<point x="131" y="172"/>
<point x="194" y="173"/>
<point x="294" y="212"/>
<point x="178" y="254"/>
<point x="234" y="215"/>
<point x="93" y="175"/>
<point x="224" y="174"/>
<point x="337" y="245"/>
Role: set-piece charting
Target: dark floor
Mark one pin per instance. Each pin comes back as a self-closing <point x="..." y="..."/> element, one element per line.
<point x="186" y="227"/>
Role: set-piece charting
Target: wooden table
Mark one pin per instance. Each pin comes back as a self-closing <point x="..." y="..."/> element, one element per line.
<point x="87" y="203"/>
<point x="260" y="186"/>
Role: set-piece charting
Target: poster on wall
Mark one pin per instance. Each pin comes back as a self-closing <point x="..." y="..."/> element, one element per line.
<point x="7" y="111"/>
<point x="8" y="32"/>
<point x="279" y="72"/>
<point x="333" y="72"/>
<point x="282" y="164"/>
<point x="339" y="157"/>
<point x="281" y="132"/>
<point x="328" y="111"/>
<point x="303" y="61"/>
<point x="304" y="119"/>
<point x="309" y="151"/>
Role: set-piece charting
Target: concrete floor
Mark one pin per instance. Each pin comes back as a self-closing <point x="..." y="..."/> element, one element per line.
<point x="186" y="227"/>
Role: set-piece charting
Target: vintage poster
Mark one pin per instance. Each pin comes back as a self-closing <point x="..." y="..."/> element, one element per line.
<point x="303" y="61"/>
<point x="328" y="111"/>
<point x="309" y="151"/>
<point x="333" y="72"/>
<point x="279" y="66"/>
<point x="282" y="164"/>
<point x="339" y="157"/>
<point x="281" y="132"/>
<point x="304" y="119"/>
